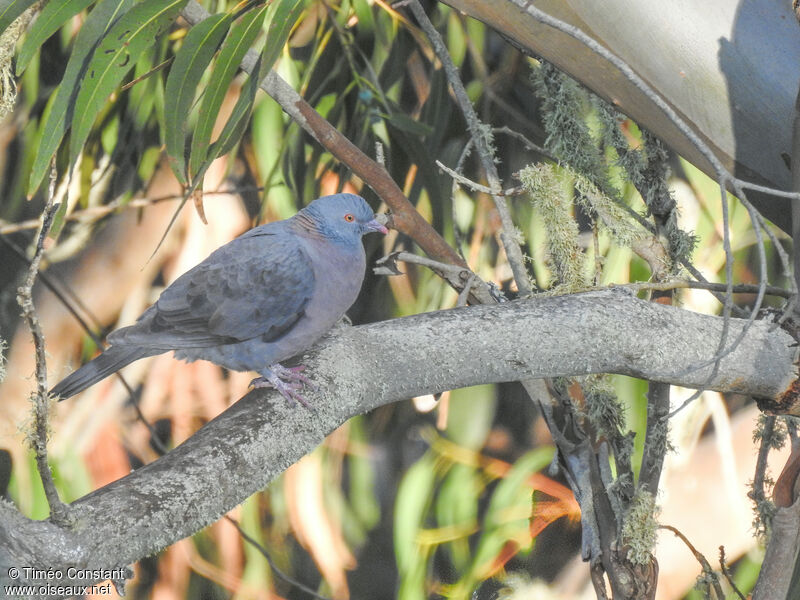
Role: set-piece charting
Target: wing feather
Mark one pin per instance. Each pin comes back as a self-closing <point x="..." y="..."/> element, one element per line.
<point x="258" y="285"/>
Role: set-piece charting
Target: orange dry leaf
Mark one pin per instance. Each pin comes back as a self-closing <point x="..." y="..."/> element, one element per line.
<point x="107" y="460"/>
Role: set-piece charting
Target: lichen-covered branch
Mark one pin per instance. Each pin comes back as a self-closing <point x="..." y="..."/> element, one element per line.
<point x="39" y="429"/>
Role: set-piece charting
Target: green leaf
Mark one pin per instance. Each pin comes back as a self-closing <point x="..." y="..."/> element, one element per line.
<point x="507" y="518"/>
<point x="362" y="492"/>
<point x="410" y="510"/>
<point x="10" y="10"/>
<point x="116" y="55"/>
<point x="457" y="509"/>
<point x="471" y="415"/>
<point x="185" y="74"/>
<point x="142" y="98"/>
<point x="281" y="21"/>
<point x="411" y="507"/>
<point x="407" y="124"/>
<point x="51" y="19"/>
<point x="241" y="37"/>
<point x="54" y="122"/>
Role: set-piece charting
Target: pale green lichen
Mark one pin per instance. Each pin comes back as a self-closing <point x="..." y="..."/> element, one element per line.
<point x="610" y="214"/>
<point x="8" y="43"/>
<point x="564" y="104"/>
<point x="603" y="406"/>
<point x="552" y="201"/>
<point x="640" y="527"/>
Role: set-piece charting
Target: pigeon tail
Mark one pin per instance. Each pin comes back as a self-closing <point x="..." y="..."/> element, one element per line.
<point x="100" y="367"/>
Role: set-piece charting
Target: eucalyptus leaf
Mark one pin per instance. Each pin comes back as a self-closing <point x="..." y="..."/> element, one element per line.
<point x="52" y="18"/>
<point x="114" y="57"/>
<point x="191" y="62"/>
<point x="60" y="108"/>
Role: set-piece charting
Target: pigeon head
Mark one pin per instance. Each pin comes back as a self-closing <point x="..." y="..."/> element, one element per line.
<point x="344" y="217"/>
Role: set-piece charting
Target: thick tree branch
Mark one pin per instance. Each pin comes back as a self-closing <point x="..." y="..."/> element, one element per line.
<point x="360" y="368"/>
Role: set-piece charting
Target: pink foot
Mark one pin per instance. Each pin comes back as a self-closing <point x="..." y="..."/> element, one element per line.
<point x="288" y="381"/>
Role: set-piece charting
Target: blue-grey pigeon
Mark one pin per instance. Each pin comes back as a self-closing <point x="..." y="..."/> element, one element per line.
<point x="259" y="299"/>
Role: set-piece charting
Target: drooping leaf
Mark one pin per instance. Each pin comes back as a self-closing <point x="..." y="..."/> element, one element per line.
<point x="55" y="121"/>
<point x="10" y="10"/>
<point x="143" y="94"/>
<point x="407" y="124"/>
<point x="191" y="62"/>
<point x="114" y="57"/>
<point x="51" y="19"/>
<point x="240" y="38"/>
<point x="282" y="17"/>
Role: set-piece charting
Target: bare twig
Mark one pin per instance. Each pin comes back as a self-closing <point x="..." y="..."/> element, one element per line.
<point x="742" y="288"/>
<point x="464" y="294"/>
<point x="41" y="401"/>
<point x="706" y="566"/>
<point x="254" y="543"/>
<point x="459" y="278"/>
<point x="480" y="135"/>
<point x="96" y="212"/>
<point x="685" y="403"/>
<point x="529" y="144"/>
<point x="723" y="563"/>
<point x="477" y="187"/>
<point x="768" y="190"/>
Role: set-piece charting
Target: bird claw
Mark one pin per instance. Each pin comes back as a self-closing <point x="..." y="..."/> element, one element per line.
<point x="288" y="381"/>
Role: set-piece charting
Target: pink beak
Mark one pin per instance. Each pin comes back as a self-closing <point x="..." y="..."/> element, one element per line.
<point x="375" y="226"/>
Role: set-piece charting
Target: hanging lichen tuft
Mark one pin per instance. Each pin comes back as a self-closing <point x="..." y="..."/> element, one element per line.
<point x="551" y="198"/>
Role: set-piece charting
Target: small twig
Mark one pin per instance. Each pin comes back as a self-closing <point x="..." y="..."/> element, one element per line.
<point x="464" y="294"/>
<point x="41" y="401"/>
<point x="723" y="563"/>
<point x="505" y="129"/>
<point x="685" y="403"/>
<point x="477" y="187"/>
<point x="101" y="211"/>
<point x="150" y="73"/>
<point x="445" y="269"/>
<point x="706" y="566"/>
<point x="767" y="190"/>
<point x="699" y="277"/>
<point x="479" y="133"/>
<point x="292" y="582"/>
<point x="742" y="288"/>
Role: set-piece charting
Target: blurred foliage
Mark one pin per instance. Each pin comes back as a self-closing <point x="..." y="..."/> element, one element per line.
<point x="109" y="88"/>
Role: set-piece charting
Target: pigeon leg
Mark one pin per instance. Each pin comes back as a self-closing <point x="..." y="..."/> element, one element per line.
<point x="287" y="380"/>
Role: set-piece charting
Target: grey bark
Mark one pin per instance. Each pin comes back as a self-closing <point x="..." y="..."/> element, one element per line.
<point x="360" y="368"/>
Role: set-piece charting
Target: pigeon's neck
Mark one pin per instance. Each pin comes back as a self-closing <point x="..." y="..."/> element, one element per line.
<point x="304" y="225"/>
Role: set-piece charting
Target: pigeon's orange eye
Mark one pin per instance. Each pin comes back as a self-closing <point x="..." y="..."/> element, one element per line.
<point x="349" y="218"/>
